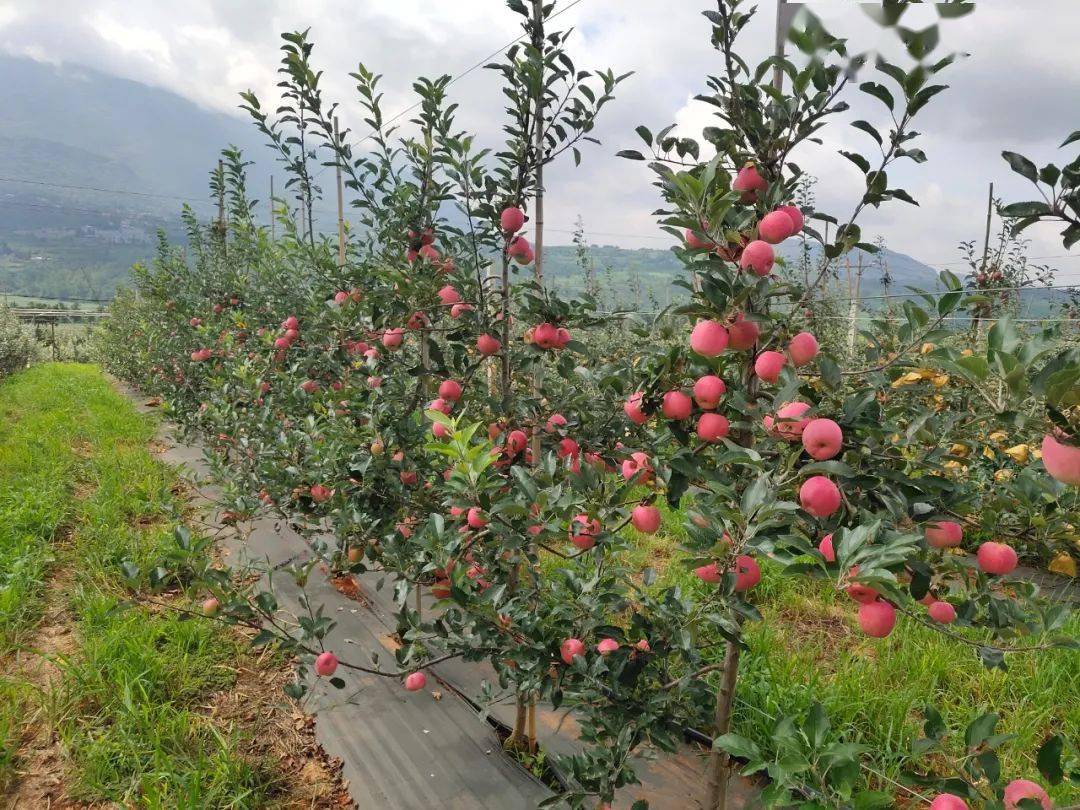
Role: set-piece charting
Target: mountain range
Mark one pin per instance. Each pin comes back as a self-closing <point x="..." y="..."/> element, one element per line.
<point x="71" y="137"/>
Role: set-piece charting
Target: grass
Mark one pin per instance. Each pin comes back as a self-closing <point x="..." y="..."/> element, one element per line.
<point x="80" y="495"/>
<point x="809" y="648"/>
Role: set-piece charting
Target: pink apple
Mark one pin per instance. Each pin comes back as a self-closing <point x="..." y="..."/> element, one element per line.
<point x="709" y="338"/>
<point x="415" y="681"/>
<point x="607" y="646"/>
<point x="449" y="295"/>
<point x="944" y="534"/>
<point x="768" y="365"/>
<point x="749" y="183"/>
<point x="290" y="323"/>
<point x="677" y="405"/>
<point x="802" y="349"/>
<point x="775" y="227"/>
<point x="877" y="619"/>
<point x="948" y="801"/>
<point x="519" y="248"/>
<point x="392" y="338"/>
<point x="789" y="422"/>
<point x="457" y="310"/>
<point x="487" y="345"/>
<point x="546" y="336"/>
<point x="211" y="606"/>
<point x="517" y="441"/>
<point x="340" y="297"/>
<point x="822" y="439"/>
<point x="632" y="409"/>
<point x="712" y="427"/>
<point x="583" y="532"/>
<point x="321" y="494"/>
<point x="708" y="573"/>
<point x="309" y="386"/>
<point x="554" y="422"/>
<point x="747" y="573"/>
<point x="758" y="257"/>
<point x="826" y="548"/>
<point x="475" y="518"/>
<point x="645" y="518"/>
<point x="819" y="496"/>
<point x="326" y="664"/>
<point x="439" y="430"/>
<point x="429" y="253"/>
<point x="996" y="558"/>
<point x="450" y="390"/>
<point x="796" y="216"/>
<point x="697" y="243"/>
<point x="1062" y="461"/>
<point x="708" y="390"/>
<point x="942" y="612"/>
<point x="571" y="649"/>
<point x="743" y="334"/>
<point x="1023" y="789"/>
<point x="511" y="219"/>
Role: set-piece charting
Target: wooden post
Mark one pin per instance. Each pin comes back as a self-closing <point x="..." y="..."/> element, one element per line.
<point x="341" y="206"/>
<point x="718" y="762"/>
<point x="273" y="216"/>
<point x="982" y="310"/>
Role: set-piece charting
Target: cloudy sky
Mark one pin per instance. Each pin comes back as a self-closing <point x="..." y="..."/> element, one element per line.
<point x="1017" y="90"/>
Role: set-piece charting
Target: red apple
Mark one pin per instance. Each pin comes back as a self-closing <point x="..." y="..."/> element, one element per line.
<point x="709" y="338"/>
<point x="645" y="518"/>
<point x="768" y="365"/>
<point x="996" y="558"/>
<point x="942" y="612"/>
<point x="944" y="534"/>
<point x="708" y="390"/>
<point x="819" y="496"/>
<point x="877" y="619"/>
<point x="712" y="427"/>
<point x="571" y="649"/>
<point x="822" y="439"/>
<point x="802" y="349"/>
<point x="326" y="664"/>
<point x="758" y="257"/>
<point x="677" y="405"/>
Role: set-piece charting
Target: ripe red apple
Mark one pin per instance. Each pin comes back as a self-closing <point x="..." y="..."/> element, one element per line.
<point x="326" y="664"/>
<point x="430" y="253"/>
<point x="546" y="336"/>
<point x="1024" y="789"/>
<point x="1062" y="461"/>
<point x="802" y="349"/>
<point x="709" y="338"/>
<point x="607" y="646"/>
<point x="554" y="422"/>
<point x="518" y="248"/>
<point x="677" y="405"/>
<point x="571" y="649"/>
<point x="826" y="548"/>
<point x="712" y="427"/>
<point x="789" y="423"/>
<point x="487" y="345"/>
<point x="282" y="343"/>
<point x="942" y="612"/>
<point x="796" y="216"/>
<point x="743" y="334"/>
<point x="643" y="645"/>
<point x="340" y="297"/>
<point x="948" y="801"/>
<point x="449" y="295"/>
<point x="457" y="310"/>
<point x="309" y="386"/>
<point x="858" y="591"/>
<point x="822" y="439"/>
<point x="568" y="448"/>
<point x="637" y="468"/>
<point x="392" y="338"/>
<point x="321" y="494"/>
<point x="708" y="390"/>
<point x="511" y="219"/>
<point x="996" y="558"/>
<point x="877" y="619"/>
<point x="768" y="365"/>
<point x="290" y="323"/>
<point x="695" y="242"/>
<point x="749" y="183"/>
<point x="944" y="534"/>
<point x="475" y="518"/>
<point x="819" y="496"/>
<point x="355" y="554"/>
<point x="211" y="607"/>
<point x="583" y="532"/>
<point x="775" y="227"/>
<point x="758" y="257"/>
<point x="517" y="441"/>
<point x="408" y="477"/>
<point x="708" y="573"/>
<point x="747" y="573"/>
<point x="441" y="405"/>
<point x="415" y="681"/>
<point x="374" y="381"/>
<point x="450" y="390"/>
<point x="632" y="409"/>
<point x="645" y="518"/>
<point x="195" y="322"/>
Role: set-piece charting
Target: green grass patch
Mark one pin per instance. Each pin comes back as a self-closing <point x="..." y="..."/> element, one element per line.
<point x="79" y="491"/>
<point x="809" y="649"/>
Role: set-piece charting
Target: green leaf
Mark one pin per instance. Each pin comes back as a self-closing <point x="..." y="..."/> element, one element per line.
<point x="1021" y="165"/>
<point x="858" y="160"/>
<point x="1071" y="139"/>
<point x="630" y="154"/>
<point x="979" y="729"/>
<point x="879" y="91"/>
<point x="1049" y="759"/>
<point x="737" y="746"/>
<point x="1032" y="208"/>
<point x="868" y="128"/>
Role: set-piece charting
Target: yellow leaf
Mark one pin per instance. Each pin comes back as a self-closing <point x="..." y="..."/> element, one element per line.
<point x="1003" y="475"/>
<point x="941" y="380"/>
<point x="966" y="353"/>
<point x="998" y="436"/>
<point x="961" y="450"/>
<point x="927" y="348"/>
<point x="1063" y="564"/>
<point x="988" y="452"/>
<point x="1018" y="453"/>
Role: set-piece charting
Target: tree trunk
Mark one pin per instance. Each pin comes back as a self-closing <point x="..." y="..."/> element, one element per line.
<point x="718" y="760"/>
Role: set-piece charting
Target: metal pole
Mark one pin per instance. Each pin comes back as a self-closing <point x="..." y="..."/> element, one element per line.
<point x="340" y="205"/>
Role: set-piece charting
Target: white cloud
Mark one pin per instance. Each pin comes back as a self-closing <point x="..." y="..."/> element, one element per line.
<point x="1009" y="94"/>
